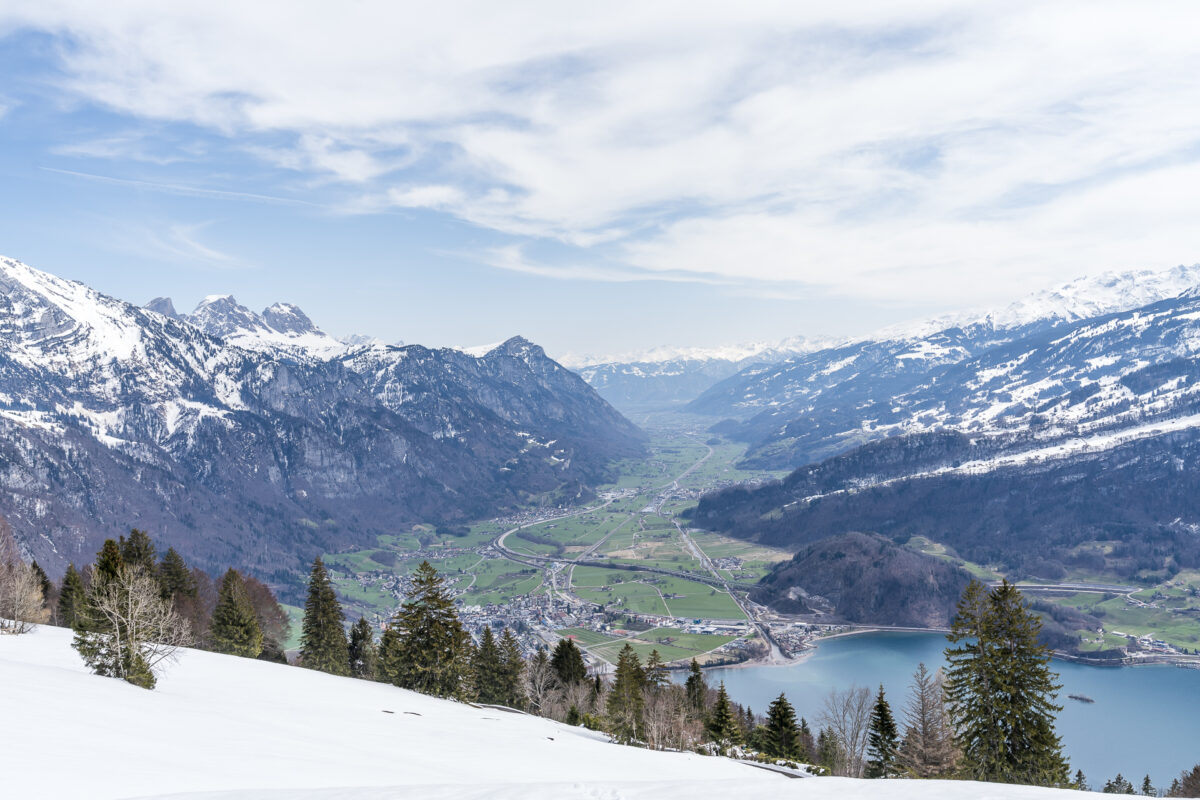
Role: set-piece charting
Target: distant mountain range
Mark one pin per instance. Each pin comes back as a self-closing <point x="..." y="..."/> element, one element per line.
<point x="1060" y="436"/>
<point x="259" y="440"/>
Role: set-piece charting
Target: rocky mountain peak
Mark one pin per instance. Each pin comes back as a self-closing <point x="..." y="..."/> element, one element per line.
<point x="164" y="306"/>
<point x="288" y="318"/>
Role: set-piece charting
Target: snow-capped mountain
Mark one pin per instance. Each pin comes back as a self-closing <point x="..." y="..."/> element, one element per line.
<point x="282" y="328"/>
<point x="240" y="442"/>
<point x="670" y="376"/>
<point x="819" y="404"/>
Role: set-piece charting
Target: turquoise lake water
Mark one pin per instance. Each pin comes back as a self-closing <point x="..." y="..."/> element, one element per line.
<point x="1146" y="720"/>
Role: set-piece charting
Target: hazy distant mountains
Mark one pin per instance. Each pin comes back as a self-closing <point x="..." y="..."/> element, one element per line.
<point x="256" y="438"/>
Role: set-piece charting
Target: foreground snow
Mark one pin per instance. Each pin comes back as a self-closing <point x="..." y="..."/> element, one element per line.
<point x="224" y="727"/>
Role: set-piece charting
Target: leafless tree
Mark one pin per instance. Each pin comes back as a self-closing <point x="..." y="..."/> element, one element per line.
<point x="540" y="686"/>
<point x="21" y="601"/>
<point x="133" y="631"/>
<point x="848" y="714"/>
<point x="667" y="719"/>
<point x="928" y="747"/>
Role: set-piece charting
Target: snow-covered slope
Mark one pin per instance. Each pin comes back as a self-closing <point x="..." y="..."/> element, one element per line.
<point x="113" y="415"/>
<point x="224" y="727"/>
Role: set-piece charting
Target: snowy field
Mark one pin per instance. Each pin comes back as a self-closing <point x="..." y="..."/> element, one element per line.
<point x="225" y="727"/>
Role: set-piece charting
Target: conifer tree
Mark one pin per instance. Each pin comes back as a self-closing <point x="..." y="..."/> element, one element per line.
<point x="567" y="662"/>
<point x="1081" y="781"/>
<point x="323" y="644"/>
<point x="234" y="629"/>
<point x="43" y="582"/>
<point x="882" y="740"/>
<point x="808" y="744"/>
<point x="697" y="689"/>
<point x="71" y="598"/>
<point x="627" y="701"/>
<point x="1148" y="789"/>
<point x="656" y="671"/>
<point x="1001" y="692"/>
<point x="175" y="577"/>
<point x="723" y="727"/>
<point x="137" y="551"/>
<point x="1118" y="785"/>
<point x="1189" y="782"/>
<point x="362" y="651"/>
<point x="513" y="668"/>
<point x="426" y="648"/>
<point x="782" y="736"/>
<point x="488" y="670"/>
<point x="108" y="562"/>
<point x="928" y="748"/>
<point x="829" y="750"/>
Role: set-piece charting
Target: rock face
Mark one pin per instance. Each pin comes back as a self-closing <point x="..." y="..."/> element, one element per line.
<point x="266" y="452"/>
<point x="862" y="578"/>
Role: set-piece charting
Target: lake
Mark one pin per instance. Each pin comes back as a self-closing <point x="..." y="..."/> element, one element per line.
<point x="1145" y="719"/>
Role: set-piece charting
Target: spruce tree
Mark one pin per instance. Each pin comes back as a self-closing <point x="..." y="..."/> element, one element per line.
<point x="1080" y="781"/>
<point x="44" y="582"/>
<point x="513" y="668"/>
<point x="882" y="740"/>
<point x="656" y="671"/>
<point x="426" y="647"/>
<point x="108" y="562"/>
<point x="782" y="736"/>
<point x="723" y="727"/>
<point x="626" y="700"/>
<point x="567" y="661"/>
<point x="697" y="689"/>
<point x="175" y="577"/>
<point x="234" y="629"/>
<point x="137" y="551"/>
<point x="362" y="652"/>
<point x="323" y="644"/>
<point x="1001" y="692"/>
<point x="1118" y="785"/>
<point x="808" y="744"/>
<point x="1148" y="789"/>
<point x="488" y="670"/>
<point x="71" y="598"/>
<point x="829" y="750"/>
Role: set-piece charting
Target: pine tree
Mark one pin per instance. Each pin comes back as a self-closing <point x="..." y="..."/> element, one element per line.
<point x="782" y="736"/>
<point x="323" y="644"/>
<point x="723" y="727"/>
<point x="882" y="740"/>
<point x="44" y="582"/>
<point x="488" y="670"/>
<point x="1148" y="789"/>
<point x="697" y="690"/>
<point x="567" y="662"/>
<point x="234" y="629"/>
<point x="426" y="648"/>
<point x="1001" y="691"/>
<point x="656" y="671"/>
<point x="71" y="598"/>
<point x="362" y="652"/>
<point x="513" y="668"/>
<point x="175" y="577"/>
<point x="627" y="700"/>
<point x="1081" y="781"/>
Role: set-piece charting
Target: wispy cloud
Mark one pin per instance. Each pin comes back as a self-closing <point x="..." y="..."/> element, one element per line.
<point x="173" y="242"/>
<point x="183" y="189"/>
<point x="870" y="150"/>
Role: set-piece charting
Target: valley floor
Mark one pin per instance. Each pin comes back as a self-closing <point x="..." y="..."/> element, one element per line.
<point x="225" y="727"/>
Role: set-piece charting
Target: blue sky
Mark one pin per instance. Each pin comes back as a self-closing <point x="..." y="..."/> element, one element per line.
<point x="598" y="179"/>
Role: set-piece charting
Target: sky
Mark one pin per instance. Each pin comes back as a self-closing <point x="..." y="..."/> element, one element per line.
<point x="598" y="177"/>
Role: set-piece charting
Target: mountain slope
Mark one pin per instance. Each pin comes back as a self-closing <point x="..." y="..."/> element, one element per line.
<point x="225" y="727"/>
<point x="113" y="416"/>
<point x="1000" y="372"/>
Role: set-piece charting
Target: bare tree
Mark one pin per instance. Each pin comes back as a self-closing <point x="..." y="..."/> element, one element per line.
<point x="928" y="747"/>
<point x="667" y="719"/>
<point x="21" y="602"/>
<point x="131" y="631"/>
<point x="540" y="685"/>
<point x="847" y="714"/>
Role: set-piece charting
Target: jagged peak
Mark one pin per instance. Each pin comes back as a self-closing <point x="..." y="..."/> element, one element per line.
<point x="164" y="306"/>
<point x="288" y="318"/>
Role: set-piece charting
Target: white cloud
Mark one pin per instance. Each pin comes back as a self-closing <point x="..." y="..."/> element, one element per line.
<point x="881" y="149"/>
